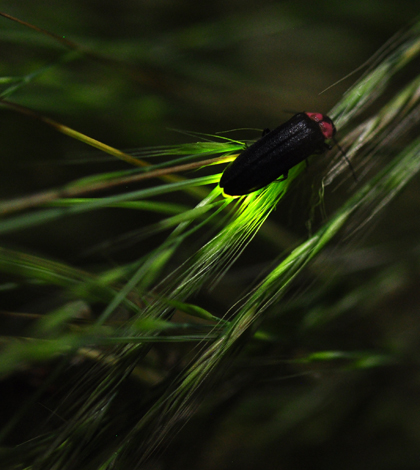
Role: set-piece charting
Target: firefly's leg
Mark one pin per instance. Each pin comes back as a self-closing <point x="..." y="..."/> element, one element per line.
<point x="283" y="177"/>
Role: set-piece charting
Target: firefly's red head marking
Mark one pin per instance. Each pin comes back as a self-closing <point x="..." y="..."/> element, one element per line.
<point x="325" y="124"/>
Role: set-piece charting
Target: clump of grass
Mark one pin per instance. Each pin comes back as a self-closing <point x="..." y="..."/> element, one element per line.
<point x="143" y="306"/>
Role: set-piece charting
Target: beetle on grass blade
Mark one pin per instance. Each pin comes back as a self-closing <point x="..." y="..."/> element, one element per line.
<point x="277" y="152"/>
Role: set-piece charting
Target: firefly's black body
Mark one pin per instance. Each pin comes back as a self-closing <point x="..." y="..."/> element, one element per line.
<point x="277" y="152"/>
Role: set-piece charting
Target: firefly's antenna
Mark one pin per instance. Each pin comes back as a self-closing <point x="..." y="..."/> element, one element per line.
<point x="346" y="159"/>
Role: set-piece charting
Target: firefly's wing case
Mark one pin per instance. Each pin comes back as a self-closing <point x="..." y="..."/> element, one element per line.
<point x="273" y="155"/>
